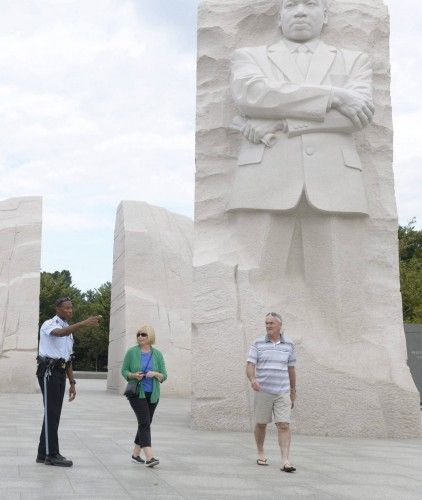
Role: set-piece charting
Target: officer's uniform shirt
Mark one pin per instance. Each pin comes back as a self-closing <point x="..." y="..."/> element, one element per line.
<point x="52" y="346"/>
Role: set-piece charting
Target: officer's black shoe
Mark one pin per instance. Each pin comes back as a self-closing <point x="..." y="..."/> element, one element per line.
<point x="58" y="460"/>
<point x="41" y="458"/>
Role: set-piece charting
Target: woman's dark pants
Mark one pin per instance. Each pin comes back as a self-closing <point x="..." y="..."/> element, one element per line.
<point x="144" y="411"/>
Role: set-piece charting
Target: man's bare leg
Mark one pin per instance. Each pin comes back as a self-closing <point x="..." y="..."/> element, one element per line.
<point x="259" y="432"/>
<point x="284" y="438"/>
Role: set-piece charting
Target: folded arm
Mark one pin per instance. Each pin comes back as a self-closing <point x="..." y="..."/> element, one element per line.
<point x="257" y="96"/>
<point x="306" y="109"/>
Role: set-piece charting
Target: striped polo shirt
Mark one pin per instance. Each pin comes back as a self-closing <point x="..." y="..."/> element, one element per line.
<point x="271" y="360"/>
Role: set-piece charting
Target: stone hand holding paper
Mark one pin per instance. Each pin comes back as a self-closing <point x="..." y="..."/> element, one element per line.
<point x="259" y="131"/>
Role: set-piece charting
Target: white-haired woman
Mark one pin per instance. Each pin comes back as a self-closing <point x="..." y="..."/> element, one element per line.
<point x="145" y="364"/>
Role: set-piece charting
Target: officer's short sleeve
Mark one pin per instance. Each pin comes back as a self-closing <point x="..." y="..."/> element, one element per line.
<point x="253" y="355"/>
<point x="48" y="326"/>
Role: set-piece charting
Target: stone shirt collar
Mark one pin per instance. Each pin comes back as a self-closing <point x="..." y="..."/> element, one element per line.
<point x="311" y="45"/>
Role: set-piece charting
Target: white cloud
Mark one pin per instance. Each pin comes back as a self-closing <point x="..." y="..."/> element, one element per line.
<point x="406" y="61"/>
<point x="97" y="106"/>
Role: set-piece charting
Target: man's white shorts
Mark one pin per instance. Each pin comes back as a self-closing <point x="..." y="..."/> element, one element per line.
<point x="267" y="405"/>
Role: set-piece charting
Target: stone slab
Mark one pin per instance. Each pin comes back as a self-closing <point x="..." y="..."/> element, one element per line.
<point x="20" y="262"/>
<point x="152" y="285"/>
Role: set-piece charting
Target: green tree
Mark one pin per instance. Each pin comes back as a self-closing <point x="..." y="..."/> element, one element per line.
<point x="410" y="247"/>
<point x="91" y="344"/>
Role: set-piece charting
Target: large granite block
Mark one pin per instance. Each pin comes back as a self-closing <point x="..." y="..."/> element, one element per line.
<point x="20" y="261"/>
<point x="152" y="281"/>
<point x="301" y="220"/>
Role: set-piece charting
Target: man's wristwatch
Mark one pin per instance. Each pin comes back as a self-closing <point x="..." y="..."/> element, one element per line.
<point x="72" y="382"/>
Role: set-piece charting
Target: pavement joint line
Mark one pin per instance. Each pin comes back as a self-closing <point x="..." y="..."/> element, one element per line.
<point x="103" y="465"/>
<point x="170" y="486"/>
<point x="160" y="480"/>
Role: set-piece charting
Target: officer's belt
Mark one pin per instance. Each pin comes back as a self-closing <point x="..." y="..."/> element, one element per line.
<point x="52" y="362"/>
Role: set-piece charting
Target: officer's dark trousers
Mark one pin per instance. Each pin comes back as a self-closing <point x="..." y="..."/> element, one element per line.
<point x="52" y="388"/>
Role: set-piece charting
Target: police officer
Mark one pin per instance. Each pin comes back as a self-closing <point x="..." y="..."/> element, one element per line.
<point x="54" y="362"/>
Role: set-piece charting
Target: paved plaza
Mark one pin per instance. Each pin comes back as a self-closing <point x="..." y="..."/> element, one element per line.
<point x="97" y="431"/>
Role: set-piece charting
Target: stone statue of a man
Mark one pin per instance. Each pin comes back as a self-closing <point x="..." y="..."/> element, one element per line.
<point x="298" y="202"/>
<point x="300" y="101"/>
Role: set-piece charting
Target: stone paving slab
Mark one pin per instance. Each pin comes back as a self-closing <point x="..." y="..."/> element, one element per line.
<point x="97" y="432"/>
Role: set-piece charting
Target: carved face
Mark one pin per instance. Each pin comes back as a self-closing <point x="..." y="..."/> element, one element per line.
<point x="302" y="20"/>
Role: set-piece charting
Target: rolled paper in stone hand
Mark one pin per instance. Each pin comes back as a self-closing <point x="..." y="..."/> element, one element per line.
<point x="239" y="122"/>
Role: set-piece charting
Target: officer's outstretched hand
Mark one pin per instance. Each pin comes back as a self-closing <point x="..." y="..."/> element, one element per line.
<point x="72" y="392"/>
<point x="92" y="321"/>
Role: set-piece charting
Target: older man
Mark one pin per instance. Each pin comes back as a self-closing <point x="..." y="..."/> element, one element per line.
<point x="271" y="371"/>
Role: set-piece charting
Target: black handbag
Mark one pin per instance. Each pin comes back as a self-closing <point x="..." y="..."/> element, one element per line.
<point x="132" y="388"/>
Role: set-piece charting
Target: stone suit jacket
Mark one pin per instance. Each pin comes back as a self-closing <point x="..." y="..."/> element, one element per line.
<point x="318" y="155"/>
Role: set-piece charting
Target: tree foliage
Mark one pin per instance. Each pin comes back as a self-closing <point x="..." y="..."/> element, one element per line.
<point x="410" y="246"/>
<point x="91" y="344"/>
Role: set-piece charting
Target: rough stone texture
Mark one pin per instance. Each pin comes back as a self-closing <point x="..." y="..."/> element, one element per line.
<point x="152" y="283"/>
<point x="20" y="261"/>
<point x="352" y="373"/>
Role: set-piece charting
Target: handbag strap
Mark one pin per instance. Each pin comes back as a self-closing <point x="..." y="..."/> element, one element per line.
<point x="149" y="360"/>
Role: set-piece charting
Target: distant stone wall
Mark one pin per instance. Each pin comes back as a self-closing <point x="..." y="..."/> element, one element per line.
<point x="152" y="280"/>
<point x="20" y="261"/>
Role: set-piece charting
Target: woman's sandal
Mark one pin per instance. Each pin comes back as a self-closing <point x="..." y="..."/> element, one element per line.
<point x="262" y="461"/>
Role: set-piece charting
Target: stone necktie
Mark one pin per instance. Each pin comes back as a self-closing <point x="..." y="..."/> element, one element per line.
<point x="302" y="59"/>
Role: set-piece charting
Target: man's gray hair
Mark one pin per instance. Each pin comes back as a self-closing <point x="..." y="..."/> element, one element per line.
<point x="275" y="316"/>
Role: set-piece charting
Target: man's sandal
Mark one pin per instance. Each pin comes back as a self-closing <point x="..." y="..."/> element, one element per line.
<point x="262" y="461"/>
<point x="288" y="468"/>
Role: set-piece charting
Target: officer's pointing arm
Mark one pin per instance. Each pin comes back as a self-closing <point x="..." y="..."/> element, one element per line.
<point x="68" y="330"/>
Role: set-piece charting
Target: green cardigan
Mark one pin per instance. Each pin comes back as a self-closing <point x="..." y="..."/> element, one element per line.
<point x="132" y="364"/>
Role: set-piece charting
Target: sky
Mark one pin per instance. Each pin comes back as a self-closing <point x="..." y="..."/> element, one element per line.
<point x="97" y="103"/>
